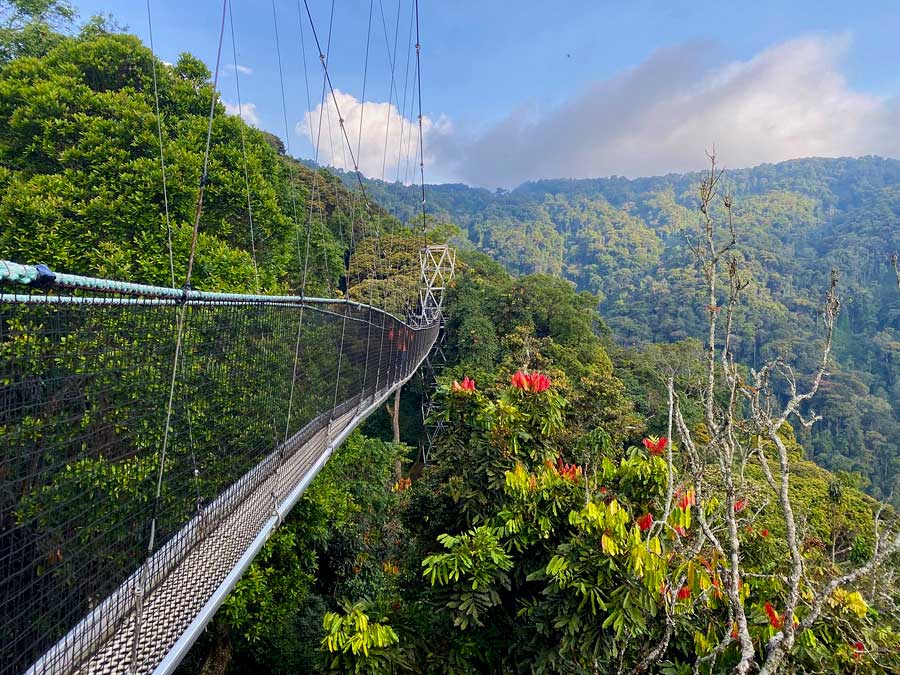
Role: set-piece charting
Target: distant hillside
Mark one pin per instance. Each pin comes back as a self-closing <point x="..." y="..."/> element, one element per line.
<point x="624" y="240"/>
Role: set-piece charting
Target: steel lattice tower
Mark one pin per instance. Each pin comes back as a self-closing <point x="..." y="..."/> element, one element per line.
<point x="438" y="265"/>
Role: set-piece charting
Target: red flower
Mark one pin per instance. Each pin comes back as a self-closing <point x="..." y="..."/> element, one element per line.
<point x="774" y="618"/>
<point x="645" y="521"/>
<point x="858" y="649"/>
<point x="570" y="472"/>
<point x="520" y="381"/>
<point x="764" y="533"/>
<point x="533" y="382"/>
<point x="656" y="447"/>
<point x="539" y="382"/>
<point x="740" y="505"/>
<point x="684" y="593"/>
<point x="466" y="386"/>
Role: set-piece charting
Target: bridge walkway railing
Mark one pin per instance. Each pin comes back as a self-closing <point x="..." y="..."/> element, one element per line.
<point x="264" y="389"/>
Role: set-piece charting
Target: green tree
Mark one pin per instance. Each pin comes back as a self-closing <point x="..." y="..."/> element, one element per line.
<point x="30" y="27"/>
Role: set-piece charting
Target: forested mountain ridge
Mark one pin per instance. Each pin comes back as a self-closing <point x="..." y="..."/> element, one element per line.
<point x="553" y="530"/>
<point x="626" y="241"/>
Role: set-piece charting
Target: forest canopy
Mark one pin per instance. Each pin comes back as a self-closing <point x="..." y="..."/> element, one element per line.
<point x="627" y="242"/>
<point x="560" y="525"/>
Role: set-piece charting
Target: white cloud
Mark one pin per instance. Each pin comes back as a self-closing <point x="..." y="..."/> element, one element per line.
<point x="243" y="70"/>
<point x="371" y="128"/>
<point x="247" y="111"/>
<point x="789" y="101"/>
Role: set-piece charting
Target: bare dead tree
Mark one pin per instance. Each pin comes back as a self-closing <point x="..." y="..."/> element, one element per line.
<point x="743" y="423"/>
<point x="722" y="449"/>
<point x="896" y="268"/>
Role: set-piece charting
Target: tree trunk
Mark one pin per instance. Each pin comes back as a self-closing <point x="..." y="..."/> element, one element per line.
<point x="395" y="423"/>
<point x="395" y="416"/>
<point x="219" y="658"/>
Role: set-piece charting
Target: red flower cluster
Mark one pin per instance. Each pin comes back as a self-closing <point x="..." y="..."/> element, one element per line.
<point x="764" y="533"/>
<point x="774" y="618"/>
<point x="657" y="446"/>
<point x="534" y="382"/>
<point x="858" y="649"/>
<point x="740" y="505"/>
<point x="645" y="521"/>
<point x="684" y="593"/>
<point x="570" y="472"/>
<point x="467" y="386"/>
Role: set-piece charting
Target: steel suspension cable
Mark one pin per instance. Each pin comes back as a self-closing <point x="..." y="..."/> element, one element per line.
<point x="323" y="216"/>
<point x="330" y="86"/>
<point x="412" y="146"/>
<point x="421" y="144"/>
<point x="362" y="113"/>
<point x="405" y="92"/>
<point x="337" y="107"/>
<point x="237" y="83"/>
<point x="182" y="313"/>
<point x="391" y="61"/>
<point x="204" y="176"/>
<point x="315" y="191"/>
<point x="162" y="162"/>
<point x="140" y="589"/>
<point x="162" y="157"/>
<point x="305" y="258"/>
<point x="324" y="56"/>
<point x="287" y="140"/>
<point x="373" y="229"/>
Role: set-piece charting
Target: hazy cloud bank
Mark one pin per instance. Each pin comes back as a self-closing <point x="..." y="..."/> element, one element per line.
<point x="788" y="101"/>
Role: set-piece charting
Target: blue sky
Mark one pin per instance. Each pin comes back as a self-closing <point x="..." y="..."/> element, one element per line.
<point x="521" y="90"/>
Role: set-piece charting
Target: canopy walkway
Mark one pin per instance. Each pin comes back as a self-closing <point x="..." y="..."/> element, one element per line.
<point x="152" y="438"/>
<point x="134" y="493"/>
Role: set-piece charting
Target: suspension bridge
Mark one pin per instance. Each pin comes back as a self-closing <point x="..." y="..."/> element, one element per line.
<point x="267" y="387"/>
<point x="154" y="437"/>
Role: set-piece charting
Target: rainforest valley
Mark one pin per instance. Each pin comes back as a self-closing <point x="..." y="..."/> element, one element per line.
<point x="628" y="243"/>
<point x="615" y="488"/>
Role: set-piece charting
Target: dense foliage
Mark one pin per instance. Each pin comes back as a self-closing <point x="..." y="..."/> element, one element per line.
<point x="624" y="241"/>
<point x="538" y="539"/>
<point x="81" y="184"/>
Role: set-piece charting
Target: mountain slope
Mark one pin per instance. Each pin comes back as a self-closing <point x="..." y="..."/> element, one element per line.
<point x="625" y="241"/>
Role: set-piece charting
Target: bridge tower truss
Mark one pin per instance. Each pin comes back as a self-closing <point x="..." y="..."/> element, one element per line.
<point x="438" y="266"/>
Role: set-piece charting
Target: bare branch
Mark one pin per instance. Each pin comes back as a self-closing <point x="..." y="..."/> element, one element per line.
<point x="896" y="268"/>
<point x="656" y="653"/>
